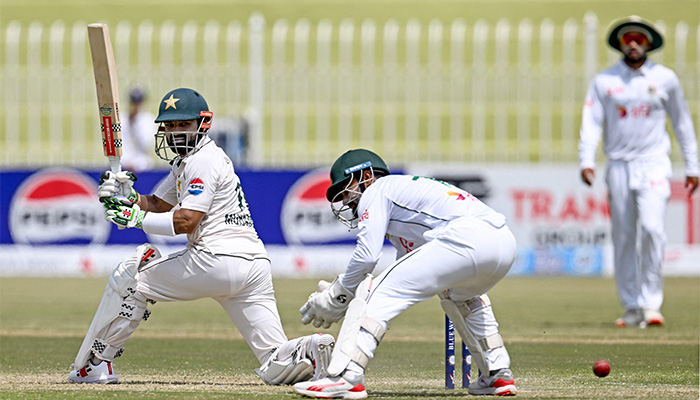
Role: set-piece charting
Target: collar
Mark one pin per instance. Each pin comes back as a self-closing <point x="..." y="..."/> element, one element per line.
<point x="181" y="161"/>
<point x="643" y="70"/>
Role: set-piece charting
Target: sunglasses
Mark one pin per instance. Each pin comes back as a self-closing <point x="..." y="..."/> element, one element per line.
<point x="630" y="37"/>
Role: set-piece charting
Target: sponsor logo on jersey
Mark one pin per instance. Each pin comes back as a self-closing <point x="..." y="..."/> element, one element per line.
<point x="55" y="206"/>
<point x="196" y="186"/>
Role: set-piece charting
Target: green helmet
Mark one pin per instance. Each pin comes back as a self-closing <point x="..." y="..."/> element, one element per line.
<point x="181" y="105"/>
<point x="353" y="161"/>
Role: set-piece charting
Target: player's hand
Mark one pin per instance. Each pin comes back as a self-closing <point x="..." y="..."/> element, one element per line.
<point x="691" y="183"/>
<point x="126" y="179"/>
<point x="327" y="305"/>
<point x="123" y="212"/>
<point x="588" y="176"/>
<point x="121" y="184"/>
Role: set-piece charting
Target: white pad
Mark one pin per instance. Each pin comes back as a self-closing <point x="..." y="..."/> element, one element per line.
<point x="457" y="314"/>
<point x="346" y="349"/>
<point x="121" y="284"/>
<point x="286" y="373"/>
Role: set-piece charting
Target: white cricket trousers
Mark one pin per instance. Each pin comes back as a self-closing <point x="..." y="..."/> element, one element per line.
<point x="241" y="284"/>
<point x="466" y="270"/>
<point x="639" y="191"/>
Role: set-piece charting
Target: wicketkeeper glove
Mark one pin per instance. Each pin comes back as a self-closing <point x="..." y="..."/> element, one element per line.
<point x="123" y="213"/>
<point x="327" y="305"/>
<point x="121" y="184"/>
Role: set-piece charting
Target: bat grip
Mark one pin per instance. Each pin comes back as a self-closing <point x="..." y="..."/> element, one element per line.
<point x="116" y="167"/>
<point x="115" y="164"/>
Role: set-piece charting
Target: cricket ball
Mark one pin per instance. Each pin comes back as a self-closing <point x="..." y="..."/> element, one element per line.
<point x="601" y="368"/>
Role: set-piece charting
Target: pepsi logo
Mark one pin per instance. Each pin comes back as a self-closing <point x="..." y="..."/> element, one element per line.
<point x="306" y="216"/>
<point x="57" y="206"/>
<point x="195" y="187"/>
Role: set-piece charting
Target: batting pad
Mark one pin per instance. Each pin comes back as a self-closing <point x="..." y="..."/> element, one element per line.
<point x="120" y="285"/>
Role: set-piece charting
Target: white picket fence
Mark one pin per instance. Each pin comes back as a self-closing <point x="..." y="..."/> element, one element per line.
<point x="446" y="92"/>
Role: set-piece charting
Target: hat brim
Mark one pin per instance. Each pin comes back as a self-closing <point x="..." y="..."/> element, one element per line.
<point x="336" y="188"/>
<point x="655" y="39"/>
<point x="174" y="117"/>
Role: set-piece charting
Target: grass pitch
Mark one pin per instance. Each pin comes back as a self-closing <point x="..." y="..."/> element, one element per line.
<point x="554" y="328"/>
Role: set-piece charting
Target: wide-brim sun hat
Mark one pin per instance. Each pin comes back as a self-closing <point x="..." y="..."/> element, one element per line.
<point x="634" y="23"/>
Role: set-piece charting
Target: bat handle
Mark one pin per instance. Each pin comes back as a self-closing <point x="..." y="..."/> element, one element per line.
<point x="115" y="164"/>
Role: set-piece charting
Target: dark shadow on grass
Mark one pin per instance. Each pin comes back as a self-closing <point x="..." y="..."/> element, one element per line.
<point x="428" y="394"/>
<point x="183" y="383"/>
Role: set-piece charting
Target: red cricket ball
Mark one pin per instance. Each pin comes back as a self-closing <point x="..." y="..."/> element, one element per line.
<point x="601" y="368"/>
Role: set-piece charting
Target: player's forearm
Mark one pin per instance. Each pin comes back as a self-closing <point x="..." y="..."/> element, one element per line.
<point x="151" y="203"/>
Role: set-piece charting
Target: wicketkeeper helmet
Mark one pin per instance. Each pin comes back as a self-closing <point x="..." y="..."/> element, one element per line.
<point x="352" y="161"/>
<point x="344" y="192"/>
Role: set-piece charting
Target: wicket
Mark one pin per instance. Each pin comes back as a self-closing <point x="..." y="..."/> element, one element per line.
<point x="450" y="342"/>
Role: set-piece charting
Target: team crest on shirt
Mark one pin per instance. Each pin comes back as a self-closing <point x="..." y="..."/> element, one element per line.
<point x="196" y="186"/>
<point x="652" y="90"/>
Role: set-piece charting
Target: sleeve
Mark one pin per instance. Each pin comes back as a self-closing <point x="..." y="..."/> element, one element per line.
<point x="592" y="120"/>
<point x="677" y="110"/>
<point x="373" y="210"/>
<point x="200" y="180"/>
<point x="167" y="190"/>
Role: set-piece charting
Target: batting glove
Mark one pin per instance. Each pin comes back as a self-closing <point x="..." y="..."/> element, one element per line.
<point x="123" y="213"/>
<point x="120" y="184"/>
<point x="328" y="305"/>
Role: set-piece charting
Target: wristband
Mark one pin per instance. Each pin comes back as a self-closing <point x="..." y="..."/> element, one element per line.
<point x="159" y="223"/>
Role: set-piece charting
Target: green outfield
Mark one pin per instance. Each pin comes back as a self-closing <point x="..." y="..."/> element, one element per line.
<point x="554" y="328"/>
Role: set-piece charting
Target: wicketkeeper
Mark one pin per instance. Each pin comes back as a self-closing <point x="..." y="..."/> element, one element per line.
<point x="224" y="258"/>
<point x="448" y="244"/>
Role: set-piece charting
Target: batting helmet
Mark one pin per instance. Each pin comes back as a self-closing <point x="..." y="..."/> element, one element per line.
<point x="181" y="105"/>
<point x="634" y="24"/>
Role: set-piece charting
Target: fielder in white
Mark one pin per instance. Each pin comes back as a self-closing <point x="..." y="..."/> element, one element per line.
<point x="629" y="102"/>
<point x="137" y="133"/>
<point x="224" y="259"/>
<point x="449" y="244"/>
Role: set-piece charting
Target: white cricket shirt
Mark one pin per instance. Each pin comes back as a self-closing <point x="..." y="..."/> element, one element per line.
<point x="631" y="105"/>
<point x="205" y="181"/>
<point x="411" y="210"/>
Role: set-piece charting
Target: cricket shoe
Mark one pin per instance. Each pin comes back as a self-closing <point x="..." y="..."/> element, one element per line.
<point x="632" y="318"/>
<point x="335" y="387"/>
<point x="101" y="373"/>
<point x="318" y="349"/>
<point x="653" y="317"/>
<point x="501" y="383"/>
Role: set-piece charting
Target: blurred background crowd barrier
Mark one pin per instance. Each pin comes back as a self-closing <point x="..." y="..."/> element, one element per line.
<point x="442" y="92"/>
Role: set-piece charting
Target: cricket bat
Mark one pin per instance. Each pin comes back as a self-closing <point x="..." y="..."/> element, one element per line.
<point x="107" y="87"/>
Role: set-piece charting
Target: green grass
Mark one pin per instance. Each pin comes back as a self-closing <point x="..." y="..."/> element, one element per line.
<point x="554" y="329"/>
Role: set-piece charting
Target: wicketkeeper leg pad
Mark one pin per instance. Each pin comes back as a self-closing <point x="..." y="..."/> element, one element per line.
<point x="121" y="310"/>
<point x="458" y="312"/>
<point x="356" y="318"/>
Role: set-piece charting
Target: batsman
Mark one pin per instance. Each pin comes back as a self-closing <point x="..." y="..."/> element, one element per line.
<point x="448" y="244"/>
<point x="224" y="258"/>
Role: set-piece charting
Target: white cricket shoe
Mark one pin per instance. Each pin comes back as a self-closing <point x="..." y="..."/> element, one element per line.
<point x="501" y="383"/>
<point x="632" y="318"/>
<point x="331" y="388"/>
<point x="653" y="317"/>
<point x="101" y="373"/>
